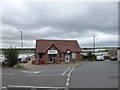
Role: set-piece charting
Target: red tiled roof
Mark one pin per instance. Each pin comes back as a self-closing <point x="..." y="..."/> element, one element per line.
<point x="62" y="45"/>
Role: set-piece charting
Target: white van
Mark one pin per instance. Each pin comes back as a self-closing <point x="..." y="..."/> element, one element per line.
<point x="100" y="58"/>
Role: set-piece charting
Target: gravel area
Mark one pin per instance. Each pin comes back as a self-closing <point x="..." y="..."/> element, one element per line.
<point x="66" y="65"/>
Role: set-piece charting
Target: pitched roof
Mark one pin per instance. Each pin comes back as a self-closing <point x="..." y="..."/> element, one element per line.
<point x="62" y="45"/>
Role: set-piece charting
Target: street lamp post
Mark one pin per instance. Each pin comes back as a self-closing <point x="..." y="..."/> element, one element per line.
<point x="21" y="44"/>
<point x="94" y="46"/>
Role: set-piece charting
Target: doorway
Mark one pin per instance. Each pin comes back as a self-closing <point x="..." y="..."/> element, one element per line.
<point x="67" y="57"/>
<point x="52" y="58"/>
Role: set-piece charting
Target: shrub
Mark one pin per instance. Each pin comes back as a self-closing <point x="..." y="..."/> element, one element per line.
<point x="91" y="56"/>
<point x="11" y="54"/>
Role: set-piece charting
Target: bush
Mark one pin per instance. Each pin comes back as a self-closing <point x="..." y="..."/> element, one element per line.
<point x="91" y="56"/>
<point x="11" y="54"/>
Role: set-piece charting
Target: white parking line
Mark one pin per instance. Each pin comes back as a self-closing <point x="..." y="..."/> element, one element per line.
<point x="18" y="86"/>
<point x="32" y="72"/>
<point x="6" y="73"/>
<point x="70" y="71"/>
<point x="37" y="72"/>
<point x="65" y="71"/>
<point x="3" y="88"/>
<point x="68" y="79"/>
<point x="67" y="84"/>
<point x="46" y="75"/>
<point x="68" y="76"/>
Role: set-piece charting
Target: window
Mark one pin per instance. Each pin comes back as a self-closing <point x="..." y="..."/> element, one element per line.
<point x="73" y="55"/>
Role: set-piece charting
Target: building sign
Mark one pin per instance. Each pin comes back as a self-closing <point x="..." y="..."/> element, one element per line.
<point x="52" y="52"/>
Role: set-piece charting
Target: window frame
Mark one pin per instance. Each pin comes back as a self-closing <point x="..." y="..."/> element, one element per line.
<point x="73" y="55"/>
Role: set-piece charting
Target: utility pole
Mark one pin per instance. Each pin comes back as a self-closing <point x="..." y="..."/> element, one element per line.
<point x="94" y="46"/>
<point x="21" y="45"/>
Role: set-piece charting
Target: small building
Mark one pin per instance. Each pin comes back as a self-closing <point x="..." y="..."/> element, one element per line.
<point x="57" y="51"/>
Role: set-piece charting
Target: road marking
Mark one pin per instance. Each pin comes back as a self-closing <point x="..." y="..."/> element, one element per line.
<point x="37" y="72"/>
<point x="33" y="72"/>
<point x="65" y="71"/>
<point x="46" y="75"/>
<point x="67" y="84"/>
<point x="18" y="86"/>
<point x="70" y="71"/>
<point x="68" y="79"/>
<point x="3" y="88"/>
<point x="6" y="73"/>
<point x="68" y="76"/>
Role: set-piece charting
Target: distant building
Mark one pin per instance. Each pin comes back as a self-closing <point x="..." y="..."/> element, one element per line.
<point x="57" y="51"/>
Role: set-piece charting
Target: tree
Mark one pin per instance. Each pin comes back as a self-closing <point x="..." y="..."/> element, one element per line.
<point x="11" y="54"/>
<point x="91" y="56"/>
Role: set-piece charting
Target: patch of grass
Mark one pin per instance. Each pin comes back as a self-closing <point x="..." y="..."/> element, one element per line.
<point x="66" y="62"/>
<point x="19" y="66"/>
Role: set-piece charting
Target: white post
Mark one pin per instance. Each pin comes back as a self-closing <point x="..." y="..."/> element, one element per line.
<point x="118" y="54"/>
<point x="21" y="45"/>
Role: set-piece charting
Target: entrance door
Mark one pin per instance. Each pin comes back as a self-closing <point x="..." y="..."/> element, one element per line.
<point x="52" y="58"/>
<point x="67" y="57"/>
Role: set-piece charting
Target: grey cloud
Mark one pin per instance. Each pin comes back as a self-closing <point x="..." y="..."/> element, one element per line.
<point x="59" y="20"/>
<point x="64" y="16"/>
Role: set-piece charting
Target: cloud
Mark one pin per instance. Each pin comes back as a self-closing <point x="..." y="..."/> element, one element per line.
<point x="60" y="20"/>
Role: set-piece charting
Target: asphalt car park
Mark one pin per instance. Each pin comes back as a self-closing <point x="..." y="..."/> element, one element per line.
<point x="49" y="76"/>
<point x="61" y="77"/>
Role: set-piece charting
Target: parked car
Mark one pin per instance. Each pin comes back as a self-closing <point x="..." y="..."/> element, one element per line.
<point x="113" y="58"/>
<point x="100" y="58"/>
<point x="106" y="57"/>
<point x="23" y="58"/>
<point x="3" y="60"/>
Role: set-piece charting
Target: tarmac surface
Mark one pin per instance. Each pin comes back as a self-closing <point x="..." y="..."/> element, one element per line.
<point x="96" y="74"/>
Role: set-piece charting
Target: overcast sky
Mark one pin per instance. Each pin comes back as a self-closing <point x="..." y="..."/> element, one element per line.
<point x="59" y="20"/>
